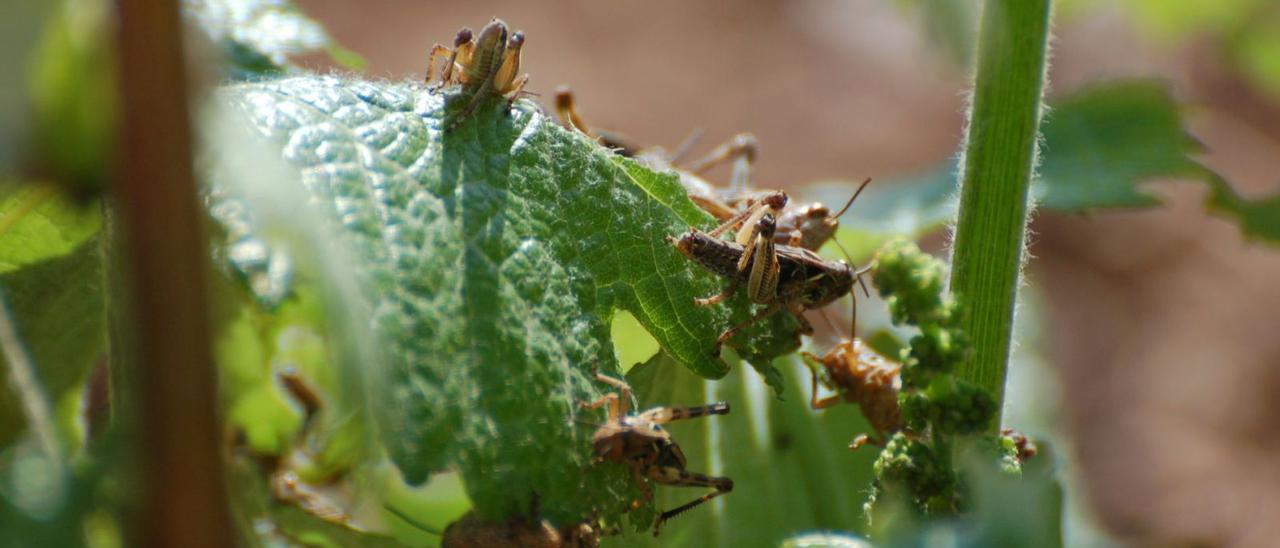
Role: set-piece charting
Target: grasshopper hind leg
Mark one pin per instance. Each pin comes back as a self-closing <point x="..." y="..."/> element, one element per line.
<point x="718" y="297"/>
<point x="663" y="415"/>
<point x="674" y="476"/>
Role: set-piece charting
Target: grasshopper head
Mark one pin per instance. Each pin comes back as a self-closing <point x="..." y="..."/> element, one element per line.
<point x="816" y="225"/>
<point x="463" y="37"/>
<point x="489" y="47"/>
<point x="492" y="35"/>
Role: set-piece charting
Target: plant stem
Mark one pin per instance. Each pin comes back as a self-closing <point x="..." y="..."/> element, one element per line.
<point x="998" y="164"/>
<point x="183" y="492"/>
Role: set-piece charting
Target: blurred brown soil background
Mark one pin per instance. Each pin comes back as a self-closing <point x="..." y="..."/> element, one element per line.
<point x="1164" y="323"/>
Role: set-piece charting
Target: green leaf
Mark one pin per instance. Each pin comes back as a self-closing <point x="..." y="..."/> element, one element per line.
<point x="791" y="466"/>
<point x="259" y="36"/>
<point x="37" y="223"/>
<point x="1099" y="145"/>
<point x="50" y="268"/>
<point x="58" y="303"/>
<point x="1101" y="142"/>
<point x="1258" y="218"/>
<point x="490" y="261"/>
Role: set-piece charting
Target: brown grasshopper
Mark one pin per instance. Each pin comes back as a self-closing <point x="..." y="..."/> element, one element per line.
<point x="860" y="375"/>
<point x="640" y="442"/>
<point x="782" y="277"/>
<point x="486" y="66"/>
<point x="810" y="226"/>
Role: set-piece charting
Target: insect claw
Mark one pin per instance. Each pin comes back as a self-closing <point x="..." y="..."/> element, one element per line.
<point x="859" y="441"/>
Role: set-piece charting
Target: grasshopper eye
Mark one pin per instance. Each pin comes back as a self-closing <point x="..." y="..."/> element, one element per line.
<point x="517" y="40"/>
<point x="776" y="200"/>
<point x="766" y="223"/>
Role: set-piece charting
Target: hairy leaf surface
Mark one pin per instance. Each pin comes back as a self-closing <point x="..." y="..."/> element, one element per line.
<point x="491" y="259"/>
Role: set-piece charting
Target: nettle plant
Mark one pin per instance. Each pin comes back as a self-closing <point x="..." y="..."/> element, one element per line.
<point x="414" y="286"/>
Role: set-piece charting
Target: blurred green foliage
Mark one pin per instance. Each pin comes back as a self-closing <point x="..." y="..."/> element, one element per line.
<point x="1099" y="146"/>
<point x="1247" y="32"/>
<point x="258" y="37"/>
<point x="71" y="98"/>
<point x="50" y="268"/>
<point x="445" y="294"/>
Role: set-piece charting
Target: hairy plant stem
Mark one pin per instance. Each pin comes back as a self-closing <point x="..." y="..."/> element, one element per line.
<point x="999" y="160"/>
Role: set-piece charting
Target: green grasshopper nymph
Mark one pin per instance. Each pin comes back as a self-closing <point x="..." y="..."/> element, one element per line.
<point x="485" y="66"/>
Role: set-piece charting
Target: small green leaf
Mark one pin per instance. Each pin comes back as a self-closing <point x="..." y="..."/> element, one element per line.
<point x="58" y="303"/>
<point x="50" y="268"/>
<point x="38" y="223"/>
<point x="1258" y="218"/>
<point x="1101" y="142"/>
<point x="491" y="260"/>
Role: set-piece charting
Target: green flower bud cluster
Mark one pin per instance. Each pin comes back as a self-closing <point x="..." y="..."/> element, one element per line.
<point x="917" y="464"/>
<point x="911" y="283"/>
<point x="912" y="466"/>
<point x="949" y="406"/>
<point x="935" y="351"/>
<point x="1010" y="461"/>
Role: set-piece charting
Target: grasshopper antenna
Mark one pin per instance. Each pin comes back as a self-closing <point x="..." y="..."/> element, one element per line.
<point x="415" y="523"/>
<point x="857" y="275"/>
<point x="852" y="198"/>
<point x="686" y="145"/>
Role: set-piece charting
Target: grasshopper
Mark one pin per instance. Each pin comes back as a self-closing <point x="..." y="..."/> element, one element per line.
<point x="860" y="375"/>
<point x="640" y="442"/>
<point x="782" y="277"/>
<point x="810" y="226"/>
<point x="485" y="66"/>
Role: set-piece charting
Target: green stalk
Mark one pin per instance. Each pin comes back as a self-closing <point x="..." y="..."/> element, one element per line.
<point x="998" y="163"/>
